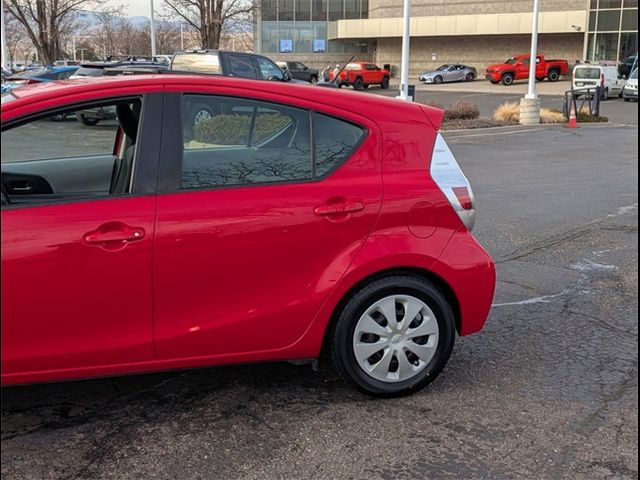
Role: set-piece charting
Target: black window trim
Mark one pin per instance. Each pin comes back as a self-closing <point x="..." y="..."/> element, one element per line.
<point x="146" y="167"/>
<point x="170" y="171"/>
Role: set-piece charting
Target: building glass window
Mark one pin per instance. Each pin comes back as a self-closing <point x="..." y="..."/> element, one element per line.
<point x="630" y="19"/>
<point x="285" y="10"/>
<point x="285" y="37"/>
<point x="336" y="10"/>
<point x="303" y="37"/>
<point x="606" y="46"/>
<point x="592" y="20"/>
<point x="610" y="4"/>
<point x="609" y="20"/>
<point x="269" y="10"/>
<point x="594" y="4"/>
<point x="319" y="10"/>
<point x="365" y="9"/>
<point x="351" y="9"/>
<point x="269" y="37"/>
<point x="319" y="37"/>
<point x="303" y="10"/>
<point x="628" y="44"/>
<point x="630" y="3"/>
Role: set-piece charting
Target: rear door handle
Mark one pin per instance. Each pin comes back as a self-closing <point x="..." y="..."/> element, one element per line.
<point x="339" y="208"/>
<point x="113" y="235"/>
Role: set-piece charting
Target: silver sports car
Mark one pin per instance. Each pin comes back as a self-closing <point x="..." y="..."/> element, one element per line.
<point x="449" y="73"/>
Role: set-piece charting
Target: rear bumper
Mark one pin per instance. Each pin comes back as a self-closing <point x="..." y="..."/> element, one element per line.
<point x="470" y="272"/>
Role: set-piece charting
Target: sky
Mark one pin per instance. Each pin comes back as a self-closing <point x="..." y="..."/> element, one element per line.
<point x="141" y="7"/>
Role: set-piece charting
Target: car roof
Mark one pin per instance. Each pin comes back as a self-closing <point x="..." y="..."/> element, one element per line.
<point x="348" y="100"/>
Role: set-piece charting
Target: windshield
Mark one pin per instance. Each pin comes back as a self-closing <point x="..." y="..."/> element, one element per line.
<point x="441" y="68"/>
<point x="634" y="75"/>
<point x="196" y="62"/>
<point x="511" y="61"/>
<point x="8" y="97"/>
<point x="588" y="73"/>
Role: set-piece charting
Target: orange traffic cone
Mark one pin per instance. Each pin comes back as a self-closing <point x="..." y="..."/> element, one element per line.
<point x="573" y="120"/>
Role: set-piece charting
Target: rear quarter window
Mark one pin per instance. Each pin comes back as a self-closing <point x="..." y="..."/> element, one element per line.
<point x="335" y="140"/>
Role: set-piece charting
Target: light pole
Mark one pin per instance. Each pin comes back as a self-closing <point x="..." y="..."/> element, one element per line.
<point x="153" y="32"/>
<point x="404" y="74"/>
<point x="530" y="104"/>
<point x="5" y="54"/>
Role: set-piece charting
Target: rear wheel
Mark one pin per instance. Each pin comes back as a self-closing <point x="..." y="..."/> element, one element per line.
<point x="554" y="76"/>
<point x="358" y="84"/>
<point x="85" y="120"/>
<point x="438" y="79"/>
<point x="314" y="80"/>
<point x="470" y="77"/>
<point x="393" y="337"/>
<point x="507" y="79"/>
<point x="385" y="83"/>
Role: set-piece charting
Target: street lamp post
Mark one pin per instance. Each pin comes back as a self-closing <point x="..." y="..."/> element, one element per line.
<point x="5" y="54"/>
<point x="153" y="32"/>
<point x="404" y="74"/>
<point x="530" y="104"/>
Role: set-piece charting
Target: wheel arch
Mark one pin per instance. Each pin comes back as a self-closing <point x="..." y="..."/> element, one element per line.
<point x="444" y="288"/>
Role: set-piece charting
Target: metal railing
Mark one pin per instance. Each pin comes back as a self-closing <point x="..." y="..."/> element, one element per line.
<point x="589" y="97"/>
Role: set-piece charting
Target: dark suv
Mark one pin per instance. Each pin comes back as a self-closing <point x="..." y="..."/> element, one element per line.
<point x="229" y="64"/>
<point x="300" y="71"/>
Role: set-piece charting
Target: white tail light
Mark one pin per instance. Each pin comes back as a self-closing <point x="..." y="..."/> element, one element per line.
<point x="448" y="175"/>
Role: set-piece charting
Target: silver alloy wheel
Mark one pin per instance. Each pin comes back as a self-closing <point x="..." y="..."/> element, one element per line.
<point x="395" y="338"/>
<point x="200" y="116"/>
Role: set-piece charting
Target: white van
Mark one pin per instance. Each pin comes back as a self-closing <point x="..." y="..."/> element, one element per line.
<point x="588" y="75"/>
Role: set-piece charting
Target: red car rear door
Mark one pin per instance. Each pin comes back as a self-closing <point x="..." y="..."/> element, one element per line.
<point x="251" y="235"/>
<point x="77" y="232"/>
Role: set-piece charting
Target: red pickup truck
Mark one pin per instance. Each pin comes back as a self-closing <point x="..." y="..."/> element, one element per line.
<point x="361" y="75"/>
<point x="517" y="68"/>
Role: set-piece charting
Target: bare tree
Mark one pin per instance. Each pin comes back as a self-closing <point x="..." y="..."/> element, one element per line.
<point x="19" y="46"/>
<point x="211" y="17"/>
<point x="49" y="22"/>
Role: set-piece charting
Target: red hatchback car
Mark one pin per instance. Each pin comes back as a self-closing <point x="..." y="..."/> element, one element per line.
<point x="270" y="227"/>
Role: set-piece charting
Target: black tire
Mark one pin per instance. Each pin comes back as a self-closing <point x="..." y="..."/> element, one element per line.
<point x="313" y="80"/>
<point x="553" y="76"/>
<point x="58" y="117"/>
<point x="341" y="334"/>
<point x="88" y="121"/>
<point x="438" y="79"/>
<point x="470" y="77"/>
<point x="540" y="79"/>
<point x="385" y="83"/>
<point x="365" y="86"/>
<point x="494" y="82"/>
<point x="358" y="84"/>
<point x="507" y="79"/>
<point x="627" y="99"/>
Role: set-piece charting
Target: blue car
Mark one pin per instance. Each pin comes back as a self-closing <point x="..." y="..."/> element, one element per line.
<point x="43" y="74"/>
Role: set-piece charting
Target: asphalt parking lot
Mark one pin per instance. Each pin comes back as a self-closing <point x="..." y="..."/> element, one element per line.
<point x="488" y="97"/>
<point x="548" y="390"/>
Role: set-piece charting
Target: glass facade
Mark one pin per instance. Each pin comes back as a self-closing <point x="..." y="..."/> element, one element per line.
<point x="613" y="30"/>
<point x="300" y="26"/>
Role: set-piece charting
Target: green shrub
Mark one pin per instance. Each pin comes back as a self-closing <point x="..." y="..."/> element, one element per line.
<point x="234" y="129"/>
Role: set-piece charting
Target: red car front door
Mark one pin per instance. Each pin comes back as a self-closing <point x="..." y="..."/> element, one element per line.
<point x="76" y="249"/>
<point x="253" y="238"/>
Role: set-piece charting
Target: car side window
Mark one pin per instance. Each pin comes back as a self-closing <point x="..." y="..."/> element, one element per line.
<point x="87" y="153"/>
<point x="240" y="66"/>
<point x="334" y="141"/>
<point x="233" y="141"/>
<point x="269" y="70"/>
